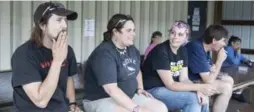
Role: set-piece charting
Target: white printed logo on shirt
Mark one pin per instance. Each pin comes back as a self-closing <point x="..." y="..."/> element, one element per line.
<point x="175" y="67"/>
<point x="129" y="64"/>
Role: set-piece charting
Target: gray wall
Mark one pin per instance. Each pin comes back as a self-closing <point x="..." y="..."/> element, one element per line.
<point x="240" y="10"/>
<point x="16" y="22"/>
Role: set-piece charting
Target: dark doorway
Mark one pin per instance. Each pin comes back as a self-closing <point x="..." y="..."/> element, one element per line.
<point x="197" y="11"/>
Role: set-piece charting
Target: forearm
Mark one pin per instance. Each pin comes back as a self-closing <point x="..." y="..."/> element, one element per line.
<point x="49" y="85"/>
<point x="140" y="80"/>
<point x="70" y="93"/>
<point x="180" y="86"/>
<point x="121" y="98"/>
<point x="186" y="81"/>
<point x="213" y="74"/>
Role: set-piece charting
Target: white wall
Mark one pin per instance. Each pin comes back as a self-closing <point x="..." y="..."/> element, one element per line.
<point x="240" y="10"/>
<point x="16" y="23"/>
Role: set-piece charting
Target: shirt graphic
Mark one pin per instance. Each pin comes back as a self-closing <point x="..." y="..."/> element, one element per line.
<point x="175" y="67"/>
<point x="129" y="65"/>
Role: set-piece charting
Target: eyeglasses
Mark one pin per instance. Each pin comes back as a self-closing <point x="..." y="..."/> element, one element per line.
<point x="180" y="24"/>
<point x="120" y="21"/>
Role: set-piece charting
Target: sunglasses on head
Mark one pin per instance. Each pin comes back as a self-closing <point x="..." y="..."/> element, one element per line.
<point x="120" y="22"/>
<point x="180" y="24"/>
<point x="52" y="7"/>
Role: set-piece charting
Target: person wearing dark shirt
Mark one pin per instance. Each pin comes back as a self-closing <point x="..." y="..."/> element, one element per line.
<point x="165" y="74"/>
<point x="113" y="81"/>
<point x="42" y="67"/>
<point x="201" y="68"/>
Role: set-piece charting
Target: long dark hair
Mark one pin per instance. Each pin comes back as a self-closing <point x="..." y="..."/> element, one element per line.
<point x="233" y="39"/>
<point x="156" y="33"/>
<point x="117" y="22"/>
<point x="37" y="33"/>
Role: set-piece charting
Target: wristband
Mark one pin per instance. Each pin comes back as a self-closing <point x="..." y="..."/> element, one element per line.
<point x="138" y="89"/>
<point x="73" y="103"/>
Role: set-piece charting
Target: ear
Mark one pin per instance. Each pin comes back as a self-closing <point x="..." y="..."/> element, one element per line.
<point x="214" y="41"/>
<point x="114" y="31"/>
<point x="42" y="26"/>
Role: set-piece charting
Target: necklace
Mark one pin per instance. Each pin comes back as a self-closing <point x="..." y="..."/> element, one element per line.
<point x="121" y="51"/>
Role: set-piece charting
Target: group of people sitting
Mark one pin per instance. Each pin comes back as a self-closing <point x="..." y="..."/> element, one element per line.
<point x="176" y="74"/>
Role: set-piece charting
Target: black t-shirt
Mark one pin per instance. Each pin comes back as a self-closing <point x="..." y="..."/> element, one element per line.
<point x="31" y="63"/>
<point x="162" y="58"/>
<point x="106" y="65"/>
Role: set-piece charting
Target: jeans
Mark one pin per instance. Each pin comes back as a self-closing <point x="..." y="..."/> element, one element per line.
<point x="186" y="101"/>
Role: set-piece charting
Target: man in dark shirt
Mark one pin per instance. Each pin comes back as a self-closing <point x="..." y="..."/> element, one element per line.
<point x="42" y="67"/>
<point x="166" y="74"/>
<point x="202" y="69"/>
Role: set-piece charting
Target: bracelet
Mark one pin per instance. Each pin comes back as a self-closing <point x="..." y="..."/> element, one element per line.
<point x="73" y="103"/>
<point x="136" y="109"/>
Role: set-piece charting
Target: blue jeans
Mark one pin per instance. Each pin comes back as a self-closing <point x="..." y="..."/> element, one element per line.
<point x="186" y="101"/>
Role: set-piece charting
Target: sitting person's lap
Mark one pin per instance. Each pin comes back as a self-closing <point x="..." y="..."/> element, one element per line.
<point x="109" y="105"/>
<point x="177" y="100"/>
<point x="223" y="83"/>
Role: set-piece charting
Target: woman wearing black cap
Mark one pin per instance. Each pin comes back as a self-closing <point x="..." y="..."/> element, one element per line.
<point x="42" y="67"/>
<point x="113" y="81"/>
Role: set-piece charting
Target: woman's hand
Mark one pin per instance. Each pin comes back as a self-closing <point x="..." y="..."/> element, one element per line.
<point x="74" y="108"/>
<point x="142" y="91"/>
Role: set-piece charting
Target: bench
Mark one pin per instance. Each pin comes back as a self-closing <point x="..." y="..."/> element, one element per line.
<point x="5" y="91"/>
<point x="243" y="76"/>
<point x="6" y="100"/>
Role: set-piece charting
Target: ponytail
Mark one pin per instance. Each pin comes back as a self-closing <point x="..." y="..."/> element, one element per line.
<point x="106" y="36"/>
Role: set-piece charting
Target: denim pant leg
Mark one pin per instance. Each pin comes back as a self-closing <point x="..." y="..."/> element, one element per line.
<point x="187" y="101"/>
<point x="205" y="108"/>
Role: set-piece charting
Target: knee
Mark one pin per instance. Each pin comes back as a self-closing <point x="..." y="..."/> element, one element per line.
<point x="229" y="80"/>
<point x="192" y="98"/>
<point x="226" y="88"/>
<point x="157" y="106"/>
<point x="193" y="103"/>
<point x="162" y="107"/>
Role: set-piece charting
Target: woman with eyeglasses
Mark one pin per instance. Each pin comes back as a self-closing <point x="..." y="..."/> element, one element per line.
<point x="165" y="74"/>
<point x="113" y="81"/>
<point x="42" y="67"/>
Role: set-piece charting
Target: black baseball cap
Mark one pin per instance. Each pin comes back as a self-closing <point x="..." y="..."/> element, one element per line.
<point x="55" y="8"/>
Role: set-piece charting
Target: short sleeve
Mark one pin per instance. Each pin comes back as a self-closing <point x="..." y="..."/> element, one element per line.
<point x="137" y="54"/>
<point x="197" y="59"/>
<point x="105" y="68"/>
<point x="25" y="69"/>
<point x="160" y="59"/>
<point x="72" y="62"/>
